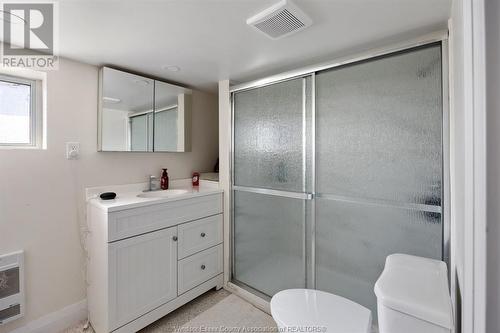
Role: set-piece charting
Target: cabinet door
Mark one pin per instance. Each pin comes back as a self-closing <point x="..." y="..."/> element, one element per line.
<point x="142" y="275"/>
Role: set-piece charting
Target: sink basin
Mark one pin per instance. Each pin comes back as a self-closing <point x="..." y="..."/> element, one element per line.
<point x="162" y="194"/>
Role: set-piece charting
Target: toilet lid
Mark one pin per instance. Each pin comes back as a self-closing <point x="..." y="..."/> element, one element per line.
<point x="312" y="310"/>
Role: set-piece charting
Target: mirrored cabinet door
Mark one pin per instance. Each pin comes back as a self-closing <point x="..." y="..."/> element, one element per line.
<point x="125" y="107"/>
<point x="139" y="114"/>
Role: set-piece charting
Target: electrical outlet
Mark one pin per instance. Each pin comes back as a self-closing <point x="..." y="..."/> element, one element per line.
<point x="72" y="150"/>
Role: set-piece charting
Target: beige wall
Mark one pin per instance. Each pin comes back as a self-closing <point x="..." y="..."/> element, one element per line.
<point x="41" y="192"/>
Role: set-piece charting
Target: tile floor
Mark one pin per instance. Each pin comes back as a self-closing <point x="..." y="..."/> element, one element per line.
<point x="214" y="311"/>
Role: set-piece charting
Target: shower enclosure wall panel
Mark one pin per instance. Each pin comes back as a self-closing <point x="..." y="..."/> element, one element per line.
<point x="334" y="170"/>
<point x="378" y="168"/>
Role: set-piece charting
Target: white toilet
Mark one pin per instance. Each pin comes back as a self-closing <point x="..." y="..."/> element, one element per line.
<point x="412" y="297"/>
<point x="314" y="311"/>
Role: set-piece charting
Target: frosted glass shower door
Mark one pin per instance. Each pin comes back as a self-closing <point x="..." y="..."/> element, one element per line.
<point x="271" y="170"/>
<point x="139" y="132"/>
<point x="379" y="168"/>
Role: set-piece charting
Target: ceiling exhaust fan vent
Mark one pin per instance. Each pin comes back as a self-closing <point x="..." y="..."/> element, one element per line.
<point x="280" y="20"/>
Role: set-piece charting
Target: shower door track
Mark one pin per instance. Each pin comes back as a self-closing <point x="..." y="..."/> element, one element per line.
<point x="437" y="37"/>
<point x="440" y="37"/>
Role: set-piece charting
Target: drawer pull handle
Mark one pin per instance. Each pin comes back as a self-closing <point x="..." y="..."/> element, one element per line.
<point x="203" y="267"/>
<point x="202" y="234"/>
<point x="174" y="238"/>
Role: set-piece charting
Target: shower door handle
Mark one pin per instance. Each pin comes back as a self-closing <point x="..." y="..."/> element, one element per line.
<point x="309" y="196"/>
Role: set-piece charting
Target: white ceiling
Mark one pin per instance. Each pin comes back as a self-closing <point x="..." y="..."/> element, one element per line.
<point x="209" y="39"/>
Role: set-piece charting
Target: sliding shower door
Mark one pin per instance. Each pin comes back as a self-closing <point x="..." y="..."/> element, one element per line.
<point x="335" y="171"/>
<point x="379" y="168"/>
<point x="271" y="180"/>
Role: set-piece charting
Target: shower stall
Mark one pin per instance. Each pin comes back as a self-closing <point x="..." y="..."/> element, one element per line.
<point x="335" y="168"/>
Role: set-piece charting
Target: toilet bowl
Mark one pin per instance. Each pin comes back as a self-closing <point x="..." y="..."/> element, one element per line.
<point x="307" y="310"/>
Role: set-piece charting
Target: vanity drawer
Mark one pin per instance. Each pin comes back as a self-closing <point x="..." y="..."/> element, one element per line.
<point x="136" y="221"/>
<point x="198" y="268"/>
<point x="199" y="235"/>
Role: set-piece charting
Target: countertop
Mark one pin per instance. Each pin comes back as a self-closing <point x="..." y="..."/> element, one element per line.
<point x="126" y="195"/>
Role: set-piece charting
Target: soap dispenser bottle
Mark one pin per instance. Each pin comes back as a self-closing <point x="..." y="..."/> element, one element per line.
<point x="164" y="180"/>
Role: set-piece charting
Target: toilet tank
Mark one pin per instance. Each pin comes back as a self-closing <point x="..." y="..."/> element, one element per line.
<point x="413" y="296"/>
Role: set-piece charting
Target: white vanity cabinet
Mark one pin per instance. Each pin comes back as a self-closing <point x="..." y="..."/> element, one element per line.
<point x="146" y="261"/>
<point x="142" y="274"/>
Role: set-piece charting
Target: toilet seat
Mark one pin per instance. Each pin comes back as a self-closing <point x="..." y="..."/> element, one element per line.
<point x="306" y="310"/>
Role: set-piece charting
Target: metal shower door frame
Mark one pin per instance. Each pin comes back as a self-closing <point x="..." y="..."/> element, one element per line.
<point x="305" y="196"/>
<point x="310" y="274"/>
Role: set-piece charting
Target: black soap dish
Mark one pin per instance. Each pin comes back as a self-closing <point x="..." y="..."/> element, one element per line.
<point x="107" y="195"/>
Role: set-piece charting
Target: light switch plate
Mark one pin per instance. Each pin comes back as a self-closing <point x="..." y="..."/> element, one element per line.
<point x="72" y="150"/>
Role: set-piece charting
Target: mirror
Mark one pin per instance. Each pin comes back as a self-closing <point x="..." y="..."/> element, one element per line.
<point x="139" y="114"/>
<point x="171" y="105"/>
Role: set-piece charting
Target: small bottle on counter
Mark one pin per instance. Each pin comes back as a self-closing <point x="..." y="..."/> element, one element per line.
<point x="164" y="180"/>
<point x="196" y="179"/>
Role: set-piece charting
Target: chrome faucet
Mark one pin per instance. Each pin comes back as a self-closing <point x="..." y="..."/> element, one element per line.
<point x="152" y="185"/>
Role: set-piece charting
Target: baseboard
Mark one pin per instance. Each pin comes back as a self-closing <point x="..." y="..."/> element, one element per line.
<point x="56" y="321"/>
